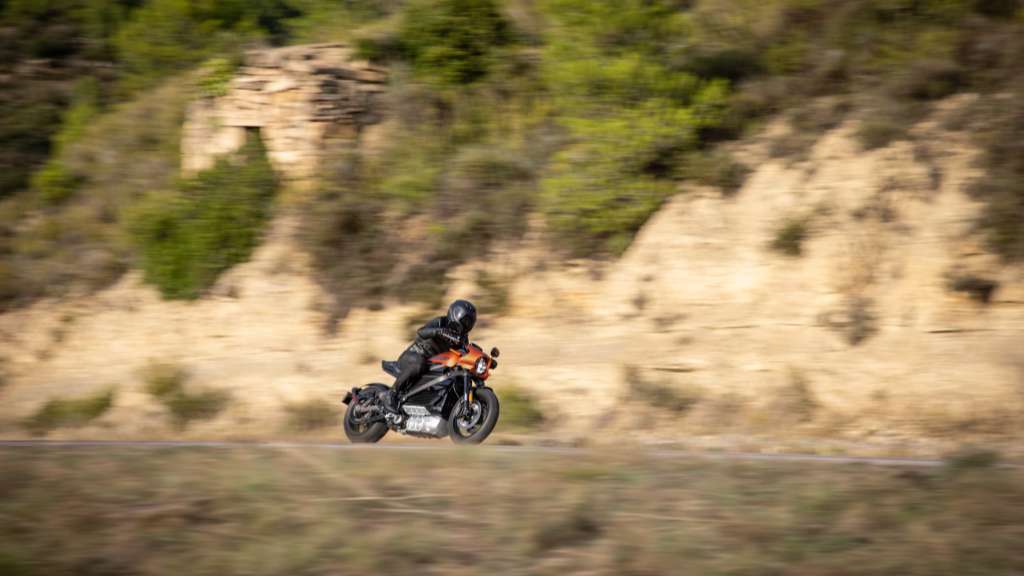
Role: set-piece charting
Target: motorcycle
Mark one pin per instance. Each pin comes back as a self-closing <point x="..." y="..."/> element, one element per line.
<point x="450" y="399"/>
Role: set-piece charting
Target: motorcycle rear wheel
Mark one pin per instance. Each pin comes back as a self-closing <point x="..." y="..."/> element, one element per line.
<point x="357" y="429"/>
<point x="467" y="427"/>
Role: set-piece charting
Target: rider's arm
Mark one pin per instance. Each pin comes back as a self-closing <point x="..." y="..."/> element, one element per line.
<point x="431" y="329"/>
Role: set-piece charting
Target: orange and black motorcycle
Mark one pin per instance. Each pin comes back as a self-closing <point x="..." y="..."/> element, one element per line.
<point x="450" y="399"/>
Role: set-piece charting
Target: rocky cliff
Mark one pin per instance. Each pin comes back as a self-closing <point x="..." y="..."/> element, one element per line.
<point x="304" y="100"/>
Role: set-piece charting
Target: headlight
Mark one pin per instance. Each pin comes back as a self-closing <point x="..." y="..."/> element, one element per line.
<point x="481" y="366"/>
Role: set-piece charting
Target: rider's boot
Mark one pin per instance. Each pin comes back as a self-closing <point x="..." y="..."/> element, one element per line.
<point x="390" y="401"/>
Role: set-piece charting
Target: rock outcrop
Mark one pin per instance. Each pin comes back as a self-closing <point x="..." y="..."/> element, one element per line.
<point x="304" y="100"/>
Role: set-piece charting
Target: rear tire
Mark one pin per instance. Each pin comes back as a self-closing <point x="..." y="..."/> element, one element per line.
<point x="482" y="428"/>
<point x="358" y="431"/>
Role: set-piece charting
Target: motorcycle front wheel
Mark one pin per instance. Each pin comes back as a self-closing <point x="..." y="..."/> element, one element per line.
<point x="473" y="422"/>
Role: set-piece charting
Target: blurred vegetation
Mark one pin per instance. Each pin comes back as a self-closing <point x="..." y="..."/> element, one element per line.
<point x="589" y="114"/>
<point x="449" y="42"/>
<point x="212" y="222"/>
<point x="312" y="414"/>
<point x="789" y="237"/>
<point x="520" y="410"/>
<point x="60" y="413"/>
<point x="256" y="511"/>
<point x="166" y="383"/>
<point x="661" y="395"/>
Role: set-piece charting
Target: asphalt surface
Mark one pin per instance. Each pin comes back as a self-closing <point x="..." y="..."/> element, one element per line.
<point x="426" y="446"/>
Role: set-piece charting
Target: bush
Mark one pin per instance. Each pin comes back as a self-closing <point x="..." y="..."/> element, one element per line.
<point x="717" y="168"/>
<point x="1001" y="186"/>
<point x="659" y="395"/>
<point x="880" y="132"/>
<point x="164" y="37"/>
<point x="163" y="379"/>
<point x="854" y="319"/>
<point x="69" y="413"/>
<point x="188" y="238"/>
<point x="790" y="236"/>
<point x="216" y="76"/>
<point x="631" y="113"/>
<point x="54" y="183"/>
<point x="519" y="409"/>
<point x="447" y="41"/>
<point x="978" y="288"/>
<point x="311" y="414"/>
<point x="78" y="244"/>
<point x="166" y="383"/>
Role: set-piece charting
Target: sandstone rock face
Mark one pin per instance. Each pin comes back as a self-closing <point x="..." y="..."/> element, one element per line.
<point x="302" y="99"/>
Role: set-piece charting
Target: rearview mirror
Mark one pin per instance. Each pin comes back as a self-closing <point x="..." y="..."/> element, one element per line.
<point x="495" y="352"/>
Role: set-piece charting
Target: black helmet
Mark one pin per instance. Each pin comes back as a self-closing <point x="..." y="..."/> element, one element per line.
<point x="463" y="313"/>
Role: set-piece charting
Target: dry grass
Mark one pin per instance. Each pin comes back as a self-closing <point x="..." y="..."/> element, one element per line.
<point x="292" y="511"/>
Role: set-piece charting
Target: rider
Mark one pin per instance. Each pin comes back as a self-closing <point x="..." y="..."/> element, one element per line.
<point x="436" y="336"/>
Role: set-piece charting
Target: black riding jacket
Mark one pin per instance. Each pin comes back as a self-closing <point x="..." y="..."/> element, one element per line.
<point x="437" y="336"/>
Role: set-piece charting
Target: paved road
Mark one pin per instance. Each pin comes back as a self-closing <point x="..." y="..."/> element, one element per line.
<point x="656" y="452"/>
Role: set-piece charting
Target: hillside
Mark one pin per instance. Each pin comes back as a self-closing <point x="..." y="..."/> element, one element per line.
<point x="699" y="329"/>
<point x="757" y="237"/>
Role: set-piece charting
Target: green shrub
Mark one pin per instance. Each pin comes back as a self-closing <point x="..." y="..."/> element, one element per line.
<point x="165" y="37"/>
<point x="54" y="182"/>
<point x="790" y="236"/>
<point x="213" y="222"/>
<point x="166" y="383"/>
<point x="519" y="409"/>
<point x="452" y="41"/>
<point x="631" y="113"/>
<point x="311" y="414"/>
<point x="215" y="77"/>
<point x="717" y="168"/>
<point x="201" y="405"/>
<point x="60" y="413"/>
<point x="164" y="379"/>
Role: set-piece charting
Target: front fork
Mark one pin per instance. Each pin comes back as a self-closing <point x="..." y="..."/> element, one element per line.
<point x="468" y="385"/>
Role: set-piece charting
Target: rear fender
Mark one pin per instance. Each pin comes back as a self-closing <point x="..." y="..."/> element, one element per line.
<point x="365" y="392"/>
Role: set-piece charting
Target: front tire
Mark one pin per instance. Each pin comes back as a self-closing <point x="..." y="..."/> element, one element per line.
<point x="467" y="426"/>
<point x="357" y="429"/>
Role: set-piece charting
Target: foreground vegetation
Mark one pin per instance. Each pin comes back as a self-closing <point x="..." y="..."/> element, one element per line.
<point x="315" y="511"/>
